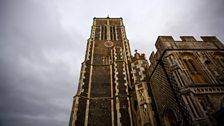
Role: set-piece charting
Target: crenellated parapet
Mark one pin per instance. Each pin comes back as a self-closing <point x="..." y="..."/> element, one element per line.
<point x="138" y="56"/>
<point x="187" y="42"/>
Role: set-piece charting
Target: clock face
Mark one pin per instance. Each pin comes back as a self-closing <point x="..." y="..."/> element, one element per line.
<point x="108" y="44"/>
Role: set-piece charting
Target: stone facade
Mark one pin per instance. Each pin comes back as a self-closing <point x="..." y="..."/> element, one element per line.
<point x="186" y="79"/>
<point x="183" y="85"/>
<point x="103" y="97"/>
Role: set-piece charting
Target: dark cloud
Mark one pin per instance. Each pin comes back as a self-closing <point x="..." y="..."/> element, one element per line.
<point x="42" y="45"/>
<point x="37" y="63"/>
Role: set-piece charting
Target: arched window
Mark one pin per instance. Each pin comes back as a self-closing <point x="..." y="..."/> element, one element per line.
<point x="170" y="118"/>
<point x="222" y="103"/>
<point x="219" y="58"/>
<point x="193" y="67"/>
<point x="190" y="65"/>
<point x="103" y="33"/>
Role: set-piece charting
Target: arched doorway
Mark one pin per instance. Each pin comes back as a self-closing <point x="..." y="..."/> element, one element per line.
<point x="219" y="115"/>
<point x="170" y="118"/>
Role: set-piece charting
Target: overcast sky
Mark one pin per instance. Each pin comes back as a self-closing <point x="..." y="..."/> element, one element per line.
<point x="42" y="45"/>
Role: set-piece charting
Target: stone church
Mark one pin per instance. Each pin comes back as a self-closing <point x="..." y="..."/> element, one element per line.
<point x="183" y="85"/>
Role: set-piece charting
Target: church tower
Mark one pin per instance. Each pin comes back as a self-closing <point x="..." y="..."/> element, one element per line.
<point x="182" y="86"/>
<point x="102" y="98"/>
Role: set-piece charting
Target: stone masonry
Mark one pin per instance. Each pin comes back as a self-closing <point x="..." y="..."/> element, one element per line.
<point x="183" y="84"/>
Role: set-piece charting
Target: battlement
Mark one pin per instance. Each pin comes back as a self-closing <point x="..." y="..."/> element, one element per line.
<point x="103" y="18"/>
<point x="188" y="42"/>
<point x="107" y="21"/>
<point x="138" y="56"/>
<point x="187" y="39"/>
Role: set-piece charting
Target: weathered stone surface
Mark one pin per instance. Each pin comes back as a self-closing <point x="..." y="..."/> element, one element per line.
<point x="183" y="85"/>
<point x="187" y="81"/>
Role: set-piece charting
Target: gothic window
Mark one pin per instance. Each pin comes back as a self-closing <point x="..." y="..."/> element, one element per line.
<point x="97" y="33"/>
<point x="113" y="34"/>
<point x="190" y="65"/>
<point x="220" y="60"/>
<point x="103" y="32"/>
<point x="219" y="65"/>
<point x="170" y="59"/>
<point x="205" y="102"/>
<point x="119" y="34"/>
<point x="193" y="67"/>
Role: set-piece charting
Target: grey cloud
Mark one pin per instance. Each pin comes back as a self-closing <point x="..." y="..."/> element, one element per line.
<point x="36" y="58"/>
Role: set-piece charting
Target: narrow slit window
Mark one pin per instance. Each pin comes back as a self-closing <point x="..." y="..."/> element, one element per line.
<point x="102" y="33"/>
<point x="114" y="33"/>
<point x="111" y="33"/>
<point x="100" y="37"/>
<point x="105" y="32"/>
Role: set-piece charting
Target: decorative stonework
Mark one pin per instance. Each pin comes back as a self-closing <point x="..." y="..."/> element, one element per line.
<point x="191" y="71"/>
<point x="109" y="44"/>
<point x="182" y="86"/>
